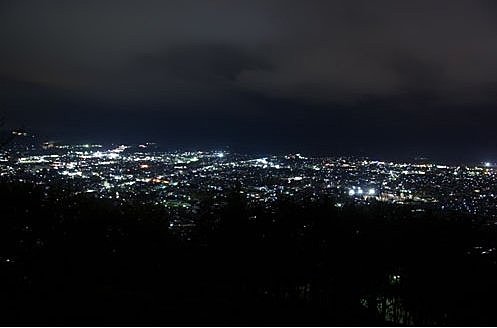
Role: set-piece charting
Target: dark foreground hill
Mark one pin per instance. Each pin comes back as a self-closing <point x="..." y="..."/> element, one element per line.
<point x="76" y="260"/>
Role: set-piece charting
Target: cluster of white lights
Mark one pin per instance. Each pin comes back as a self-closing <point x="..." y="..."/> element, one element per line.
<point x="358" y="191"/>
<point x="108" y="155"/>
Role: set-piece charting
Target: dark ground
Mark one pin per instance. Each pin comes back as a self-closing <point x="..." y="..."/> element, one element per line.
<point x="73" y="260"/>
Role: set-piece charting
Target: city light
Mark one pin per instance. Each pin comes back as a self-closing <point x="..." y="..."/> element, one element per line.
<point x="178" y="176"/>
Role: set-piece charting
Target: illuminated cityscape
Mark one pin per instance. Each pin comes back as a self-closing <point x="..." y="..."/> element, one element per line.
<point x="248" y="163"/>
<point x="179" y="180"/>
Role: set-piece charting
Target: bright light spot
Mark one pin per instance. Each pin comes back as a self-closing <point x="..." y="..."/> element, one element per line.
<point x="113" y="156"/>
<point x="262" y="161"/>
<point x="119" y="149"/>
<point x="487" y="164"/>
<point x="395" y="279"/>
<point x="220" y="155"/>
<point x="371" y="191"/>
<point x="351" y="192"/>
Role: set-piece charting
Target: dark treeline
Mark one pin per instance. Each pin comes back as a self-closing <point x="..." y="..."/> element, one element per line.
<point x="68" y="259"/>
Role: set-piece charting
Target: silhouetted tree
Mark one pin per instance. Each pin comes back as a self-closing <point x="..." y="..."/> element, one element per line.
<point x="68" y="258"/>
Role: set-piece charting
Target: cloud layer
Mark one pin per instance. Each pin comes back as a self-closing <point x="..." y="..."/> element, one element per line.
<point x="252" y="58"/>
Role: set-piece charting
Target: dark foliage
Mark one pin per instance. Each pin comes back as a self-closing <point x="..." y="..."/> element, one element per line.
<point x="77" y="260"/>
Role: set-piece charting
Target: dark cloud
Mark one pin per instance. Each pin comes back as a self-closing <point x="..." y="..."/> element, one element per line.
<point x="328" y="49"/>
<point x="204" y="62"/>
<point x="332" y="65"/>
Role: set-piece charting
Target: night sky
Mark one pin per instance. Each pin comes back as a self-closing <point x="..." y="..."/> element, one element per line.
<point x="381" y="78"/>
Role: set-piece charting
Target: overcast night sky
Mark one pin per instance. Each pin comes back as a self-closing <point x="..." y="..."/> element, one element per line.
<point x="382" y="78"/>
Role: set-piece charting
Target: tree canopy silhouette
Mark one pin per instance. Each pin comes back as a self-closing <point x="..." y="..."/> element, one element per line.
<point x="68" y="258"/>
